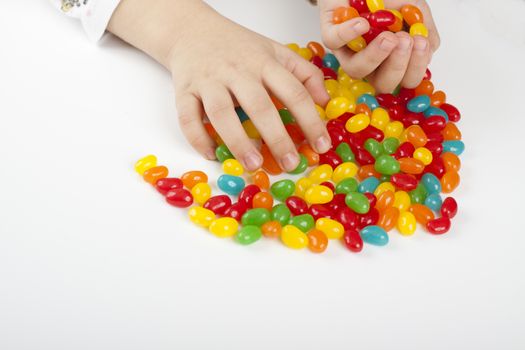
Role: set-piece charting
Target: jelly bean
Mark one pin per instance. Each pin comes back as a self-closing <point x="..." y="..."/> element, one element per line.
<point x="438" y="98"/>
<point x="261" y="180"/>
<point x="347" y="218"/>
<point x="321" y="173"/>
<point x="422" y="213"/>
<point x="201" y="216"/>
<point x="394" y="129"/>
<point x="416" y="136"/>
<point x="439" y="226"/>
<point x="405" y="150"/>
<point x="270" y="165"/>
<point x="359" y="5"/>
<point x="357" y="123"/>
<point x="210" y="130"/>
<point x="318" y="194"/>
<point x="450" y="181"/>
<point x="364" y="157"/>
<point x="305" y="53"/>
<point x="301" y="167"/>
<point x="218" y="204"/>
<point x="236" y="210"/>
<point x="452" y="112"/>
<point x="167" y="184"/>
<point x="302" y="185"/>
<point x="152" y="175"/>
<point x="191" y="178"/>
<point x="431" y="183"/>
<point x="370" y="218"/>
<point x="256" y="217"/>
<point x="423" y="155"/>
<point x="358" y="202"/>
<point x="435" y="148"/>
<point x="230" y="184"/>
<point x="405" y="182"/>
<point x="343" y="14"/>
<point x="337" y="135"/>
<point x="418" y="195"/>
<point x="449" y="208"/>
<point x="454" y="146"/>
<point x="451" y="132"/>
<point x="331" y="228"/>
<point x="293" y="46"/>
<point x="332" y="88"/>
<point x="390" y="145"/>
<point x="344" y="171"/>
<point x="241" y="114"/>
<point x="320" y="111"/>
<point x="248" y="235"/>
<point x="357" y="44"/>
<point x="434" y="202"/>
<point x="353" y="241"/>
<point x="426" y="87"/>
<point x="317" y="241"/>
<point x="145" y="163"/>
<point x="385" y="200"/>
<point x="374" y="235"/>
<point x="180" y="198"/>
<point x="419" y="29"/>
<point x="328" y="184"/>
<point x="387" y="165"/>
<point x="224" y="227"/>
<point x="369" y="100"/>
<point x="380" y="118"/>
<point x="271" y="229"/>
<point x="263" y="200"/>
<point x="316" y="48"/>
<point x="411" y="14"/>
<point x="451" y="161"/>
<point x="363" y="109"/>
<point x="331" y="158"/>
<point x="347" y="185"/>
<point x="373" y="147"/>
<point x="296" y="205"/>
<point x="401" y="201"/>
<point x="411" y="166"/>
<point x="282" y="189"/>
<point x="251" y="130"/>
<point x="330" y="61"/>
<point x="312" y="157"/>
<point x="281" y="214"/>
<point x="418" y="104"/>
<point x="434" y="111"/>
<point x="398" y="24"/>
<point x="232" y="167"/>
<point x="382" y="19"/>
<point x="375" y="5"/>
<point x="434" y="123"/>
<point x="388" y="218"/>
<point x="337" y="203"/>
<point x="294" y="238"/>
<point x="286" y="117"/>
<point x="304" y="222"/>
<point x="383" y="187"/>
<point x="295" y="133"/>
<point x="319" y="211"/>
<point x="201" y="192"/>
<point x="368" y="185"/>
<point x="223" y="153"/>
<point x="406" y="223"/>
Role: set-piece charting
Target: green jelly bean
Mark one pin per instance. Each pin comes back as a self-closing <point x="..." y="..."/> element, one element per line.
<point x="281" y="213"/>
<point x="304" y="222"/>
<point x="223" y="153"/>
<point x="373" y="147"/>
<point x="418" y="195"/>
<point x="256" y="217"/>
<point x="384" y="178"/>
<point x="303" y="165"/>
<point x="283" y="189"/>
<point x="248" y="235"/>
<point x="345" y="152"/>
<point x="346" y="186"/>
<point x="286" y="116"/>
<point x="387" y="165"/>
<point x="358" y="202"/>
<point x="390" y="145"/>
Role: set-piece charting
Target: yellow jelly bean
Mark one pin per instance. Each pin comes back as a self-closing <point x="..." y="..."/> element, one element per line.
<point x="357" y="123"/>
<point x="406" y="223"/>
<point x="145" y="163"/>
<point x="403" y="137"/>
<point x="357" y="44"/>
<point x="397" y="14"/>
<point x="318" y="194"/>
<point x="332" y="87"/>
<point x="402" y="201"/>
<point x="344" y="79"/>
<point x="224" y="227"/>
<point x="232" y="167"/>
<point x="419" y="29"/>
<point x="321" y="112"/>
<point x="344" y="171"/>
<point x="201" y="192"/>
<point x="394" y="129"/>
<point x="321" y="174"/>
<point x="383" y="187"/>
<point x="294" y="238"/>
<point x="360" y="87"/>
<point x="201" y="216"/>
<point x="424" y="155"/>
<point x="305" y="53"/>
<point x="251" y="130"/>
<point x="293" y="46"/>
<point x="375" y="5"/>
<point x="337" y="107"/>
<point x="380" y="118"/>
<point x="331" y="228"/>
<point x="302" y="185"/>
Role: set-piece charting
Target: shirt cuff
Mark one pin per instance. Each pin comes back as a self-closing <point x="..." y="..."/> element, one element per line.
<point x="95" y="18"/>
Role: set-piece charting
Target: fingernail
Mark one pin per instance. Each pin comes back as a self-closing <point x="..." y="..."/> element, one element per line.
<point x="322" y="144"/>
<point x="387" y="45"/>
<point x="210" y="154"/>
<point x="358" y="25"/>
<point x="290" y="161"/>
<point x="420" y="44"/>
<point x="404" y="44"/>
<point x="252" y="161"/>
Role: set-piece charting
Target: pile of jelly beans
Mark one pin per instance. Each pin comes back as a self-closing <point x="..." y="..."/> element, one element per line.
<point x="392" y="158"/>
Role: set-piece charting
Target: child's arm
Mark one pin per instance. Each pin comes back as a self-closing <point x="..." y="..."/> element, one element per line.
<point x="215" y="64"/>
<point x="390" y="59"/>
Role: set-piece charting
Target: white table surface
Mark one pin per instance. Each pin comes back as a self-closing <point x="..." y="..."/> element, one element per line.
<point x="91" y="257"/>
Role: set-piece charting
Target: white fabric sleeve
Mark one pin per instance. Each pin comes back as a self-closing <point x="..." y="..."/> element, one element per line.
<point x="94" y="14"/>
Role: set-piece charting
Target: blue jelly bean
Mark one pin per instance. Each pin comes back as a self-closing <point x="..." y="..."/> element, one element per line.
<point x="434" y="202"/>
<point x="368" y="185"/>
<point x="432" y="111"/>
<point x="431" y="183"/>
<point x="375" y="235"/>
<point x="231" y="184"/>
<point x="369" y="100"/>
<point x="419" y="104"/>
<point x="455" y="146"/>
<point x="330" y="61"/>
<point x="241" y="114"/>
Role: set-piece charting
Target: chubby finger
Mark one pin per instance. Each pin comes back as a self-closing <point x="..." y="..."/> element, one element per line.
<point x="421" y="55"/>
<point x="220" y="110"/>
<point x="256" y="102"/>
<point x="336" y="36"/>
<point x="191" y="115"/>
<point x="294" y="95"/>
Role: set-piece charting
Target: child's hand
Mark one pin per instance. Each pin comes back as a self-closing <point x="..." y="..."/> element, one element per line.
<point x="390" y="59"/>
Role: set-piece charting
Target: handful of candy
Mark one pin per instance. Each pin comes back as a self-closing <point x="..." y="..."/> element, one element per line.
<point x="392" y="157"/>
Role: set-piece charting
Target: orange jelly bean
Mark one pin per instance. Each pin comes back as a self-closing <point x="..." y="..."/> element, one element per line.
<point x="451" y="132"/>
<point x="411" y="166"/>
<point x="412" y="14"/>
<point x="422" y="213"/>
<point x="451" y="161"/>
<point x="311" y="156"/>
<point x="343" y="14"/>
<point x="317" y="241"/>
<point x="213" y="133"/>
<point x="261" y="179"/>
<point x="426" y="87"/>
<point x="263" y="200"/>
<point x="156" y="173"/>
<point x="438" y="98"/>
<point x="269" y="163"/>
<point x="416" y="136"/>
<point x="363" y="109"/>
<point x="388" y="218"/>
<point x="316" y="48"/>
<point x="450" y="181"/>
<point x="367" y="171"/>
<point x="278" y="104"/>
<point x="271" y="229"/>
<point x="385" y="200"/>
<point x="191" y="178"/>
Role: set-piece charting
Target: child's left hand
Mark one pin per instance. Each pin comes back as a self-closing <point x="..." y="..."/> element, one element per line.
<point x="390" y="59"/>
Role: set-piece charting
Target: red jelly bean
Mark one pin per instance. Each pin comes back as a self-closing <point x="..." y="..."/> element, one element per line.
<point x="449" y="208"/>
<point x="218" y="204"/>
<point x="428" y="74"/>
<point x="382" y="19"/>
<point x="236" y="210"/>
<point x="167" y="184"/>
<point x="396" y="113"/>
<point x="329" y="185"/>
<point x="405" y="182"/>
<point x="372" y="34"/>
<point x="295" y="133"/>
<point x="368" y="219"/>
<point x="317" y="61"/>
<point x="319" y="211"/>
<point x="453" y="113"/>
<point x="437" y="167"/>
<point x="436" y="148"/>
<point x="296" y="205"/>
<point x="372" y="132"/>
<point x="180" y="198"/>
<point x="435" y="123"/>
<point x="364" y="157"/>
<point x="406" y="94"/>
<point x="331" y="158"/>
<point x="347" y="217"/>
<point x="387" y="100"/>
<point x="337" y="202"/>
<point x="405" y="150"/>
<point x="412" y="119"/>
<point x="359" y="5"/>
<point x="439" y="226"/>
<point x="353" y="240"/>
<point x="329" y="73"/>
<point x="372" y="199"/>
<point x="435" y="137"/>
<point x="247" y="194"/>
<point x="337" y="135"/>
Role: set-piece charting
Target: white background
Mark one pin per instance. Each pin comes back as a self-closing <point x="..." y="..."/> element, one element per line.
<point x="92" y="258"/>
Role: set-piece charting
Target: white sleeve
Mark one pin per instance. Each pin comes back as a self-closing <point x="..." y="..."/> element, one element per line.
<point x="94" y="14"/>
